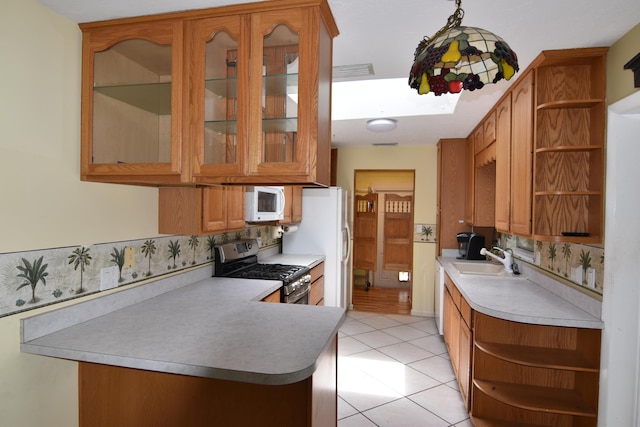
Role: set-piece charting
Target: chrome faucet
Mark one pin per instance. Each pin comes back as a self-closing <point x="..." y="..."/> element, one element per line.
<point x="507" y="261"/>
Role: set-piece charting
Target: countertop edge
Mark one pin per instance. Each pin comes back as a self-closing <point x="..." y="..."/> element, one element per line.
<point x="37" y="338"/>
<point x="283" y="378"/>
<point x="582" y="319"/>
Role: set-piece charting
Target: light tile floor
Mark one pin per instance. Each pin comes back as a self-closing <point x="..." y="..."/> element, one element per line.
<point x="394" y="371"/>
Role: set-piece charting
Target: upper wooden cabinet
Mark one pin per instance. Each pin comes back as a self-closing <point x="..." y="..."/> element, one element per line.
<point x="514" y="136"/>
<point x="451" y="193"/>
<point x="132" y="78"/>
<point x="292" y="204"/>
<point x="549" y="150"/>
<point x="521" y="156"/>
<point x="236" y="94"/>
<point x="202" y="210"/>
<point x="469" y="207"/>
<point x="569" y="133"/>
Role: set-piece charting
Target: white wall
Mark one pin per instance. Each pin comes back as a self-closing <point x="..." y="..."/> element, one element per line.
<point x="43" y="203"/>
<point x="620" y="376"/>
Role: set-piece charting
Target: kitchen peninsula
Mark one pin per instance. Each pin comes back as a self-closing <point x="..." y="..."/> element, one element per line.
<point x="196" y="350"/>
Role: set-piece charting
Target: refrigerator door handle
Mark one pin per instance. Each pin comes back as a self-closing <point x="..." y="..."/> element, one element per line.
<point x="348" y="251"/>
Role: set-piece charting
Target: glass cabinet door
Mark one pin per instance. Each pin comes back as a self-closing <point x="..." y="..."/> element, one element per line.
<point x="134" y="126"/>
<point x="219" y="62"/>
<point x="277" y="97"/>
<point x="280" y="95"/>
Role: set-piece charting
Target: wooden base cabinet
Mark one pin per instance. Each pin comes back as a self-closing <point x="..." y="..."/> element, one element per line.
<point x="316" y="296"/>
<point x="457" y="337"/>
<point x="115" y="396"/>
<point x="513" y="374"/>
<point x="533" y="375"/>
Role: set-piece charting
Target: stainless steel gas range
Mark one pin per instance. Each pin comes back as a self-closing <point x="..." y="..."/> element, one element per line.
<point x="239" y="259"/>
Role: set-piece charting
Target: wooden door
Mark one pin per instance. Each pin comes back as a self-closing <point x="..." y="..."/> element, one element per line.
<point x="521" y="156"/>
<point x="365" y="235"/>
<point x="235" y="207"/>
<point x="292" y="204"/>
<point x="398" y="232"/>
<point x="503" y="165"/>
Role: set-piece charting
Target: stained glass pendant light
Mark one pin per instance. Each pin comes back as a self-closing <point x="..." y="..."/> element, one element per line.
<point x="458" y="57"/>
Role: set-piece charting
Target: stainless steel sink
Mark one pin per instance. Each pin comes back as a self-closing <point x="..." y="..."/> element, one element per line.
<point x="480" y="269"/>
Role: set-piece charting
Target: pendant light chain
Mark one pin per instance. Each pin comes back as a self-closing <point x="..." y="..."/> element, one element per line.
<point x="455" y="20"/>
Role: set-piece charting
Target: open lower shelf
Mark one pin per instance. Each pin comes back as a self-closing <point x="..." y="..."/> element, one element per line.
<point x="486" y="422"/>
<point x="538" y="356"/>
<point x="536" y="398"/>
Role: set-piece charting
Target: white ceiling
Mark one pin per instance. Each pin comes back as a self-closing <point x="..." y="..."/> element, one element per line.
<point x="386" y="33"/>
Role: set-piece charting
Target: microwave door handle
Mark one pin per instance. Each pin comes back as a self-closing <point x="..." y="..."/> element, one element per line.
<point x="282" y="201"/>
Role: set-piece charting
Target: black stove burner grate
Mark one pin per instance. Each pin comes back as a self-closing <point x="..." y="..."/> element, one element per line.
<point x="269" y="272"/>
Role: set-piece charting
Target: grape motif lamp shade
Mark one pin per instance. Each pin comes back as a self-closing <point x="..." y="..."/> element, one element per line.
<point x="458" y="57"/>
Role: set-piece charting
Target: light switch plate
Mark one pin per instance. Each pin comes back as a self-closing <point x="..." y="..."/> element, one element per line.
<point x="108" y="278"/>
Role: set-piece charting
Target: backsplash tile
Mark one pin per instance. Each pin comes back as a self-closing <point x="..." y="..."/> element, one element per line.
<point x="581" y="264"/>
<point x="37" y="278"/>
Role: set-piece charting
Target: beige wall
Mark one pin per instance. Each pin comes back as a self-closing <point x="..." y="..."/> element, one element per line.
<point x="43" y="204"/>
<point x="619" y="80"/>
<point x="423" y="159"/>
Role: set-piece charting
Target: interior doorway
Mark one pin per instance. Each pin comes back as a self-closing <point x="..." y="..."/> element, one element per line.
<point x="383" y="240"/>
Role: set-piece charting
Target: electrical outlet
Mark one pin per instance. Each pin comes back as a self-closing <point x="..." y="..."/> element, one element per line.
<point x="108" y="278"/>
<point x="419" y="228"/>
<point x="129" y="257"/>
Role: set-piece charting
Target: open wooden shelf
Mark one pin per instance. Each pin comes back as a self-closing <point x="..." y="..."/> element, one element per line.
<point x="535" y="398"/>
<point x="485" y="422"/>
<point x="570" y="108"/>
<point x="539" y="356"/>
<point x="568" y="148"/>
<point x="570" y="103"/>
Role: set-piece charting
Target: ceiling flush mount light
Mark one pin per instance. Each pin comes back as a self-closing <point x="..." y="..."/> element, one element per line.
<point x="458" y="57"/>
<point x="381" y="125"/>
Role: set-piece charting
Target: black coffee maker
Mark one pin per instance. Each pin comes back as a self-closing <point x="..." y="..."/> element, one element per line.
<point x="469" y="245"/>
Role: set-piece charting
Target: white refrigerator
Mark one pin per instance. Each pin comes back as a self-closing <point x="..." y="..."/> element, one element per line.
<point x="324" y="230"/>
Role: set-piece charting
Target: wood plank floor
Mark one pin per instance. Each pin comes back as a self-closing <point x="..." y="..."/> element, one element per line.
<point x="382" y="300"/>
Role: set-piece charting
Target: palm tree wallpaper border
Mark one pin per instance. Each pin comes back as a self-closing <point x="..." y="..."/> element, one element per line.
<point x="34" y="279"/>
<point x="581" y="264"/>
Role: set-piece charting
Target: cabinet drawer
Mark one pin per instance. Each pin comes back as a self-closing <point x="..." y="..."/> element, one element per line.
<point x="316" y="296"/>
<point x="317" y="271"/>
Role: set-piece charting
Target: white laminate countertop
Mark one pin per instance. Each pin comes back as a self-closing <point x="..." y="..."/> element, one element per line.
<point x="294" y="259"/>
<point x="518" y="299"/>
<point x="215" y="327"/>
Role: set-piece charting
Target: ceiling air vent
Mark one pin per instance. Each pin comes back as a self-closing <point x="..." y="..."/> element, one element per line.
<point x="385" y="144"/>
<point x="342" y="72"/>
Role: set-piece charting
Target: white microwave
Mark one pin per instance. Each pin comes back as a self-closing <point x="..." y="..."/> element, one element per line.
<point x="264" y="204"/>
